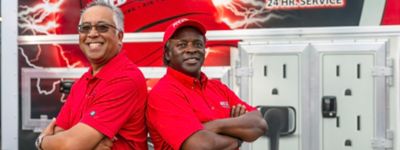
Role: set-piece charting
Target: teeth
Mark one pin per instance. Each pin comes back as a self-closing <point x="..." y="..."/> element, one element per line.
<point x="191" y="60"/>
<point x="94" y="45"/>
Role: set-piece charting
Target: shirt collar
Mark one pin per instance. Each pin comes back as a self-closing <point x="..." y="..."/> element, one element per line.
<point x="188" y="80"/>
<point x="108" y="69"/>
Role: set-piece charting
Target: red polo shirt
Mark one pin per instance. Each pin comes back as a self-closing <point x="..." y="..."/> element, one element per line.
<point x="179" y="104"/>
<point x="113" y="102"/>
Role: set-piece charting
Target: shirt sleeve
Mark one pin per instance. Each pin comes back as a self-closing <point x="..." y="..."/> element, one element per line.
<point x="114" y="104"/>
<point x="170" y="114"/>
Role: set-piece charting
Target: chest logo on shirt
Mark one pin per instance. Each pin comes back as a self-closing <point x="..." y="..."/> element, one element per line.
<point x="92" y="113"/>
<point x="225" y="104"/>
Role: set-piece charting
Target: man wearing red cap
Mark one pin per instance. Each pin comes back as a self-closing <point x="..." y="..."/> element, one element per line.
<point x="186" y="110"/>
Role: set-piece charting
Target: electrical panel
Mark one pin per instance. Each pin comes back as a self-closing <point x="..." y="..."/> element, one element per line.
<point x="337" y="89"/>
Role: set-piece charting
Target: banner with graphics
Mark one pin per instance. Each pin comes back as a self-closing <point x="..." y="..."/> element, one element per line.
<point x="43" y="67"/>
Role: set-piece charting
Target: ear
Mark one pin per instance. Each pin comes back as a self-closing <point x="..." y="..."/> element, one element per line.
<point x="120" y="36"/>
<point x="167" y="55"/>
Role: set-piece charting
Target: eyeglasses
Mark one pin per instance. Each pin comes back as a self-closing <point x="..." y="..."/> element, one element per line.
<point x="100" y="27"/>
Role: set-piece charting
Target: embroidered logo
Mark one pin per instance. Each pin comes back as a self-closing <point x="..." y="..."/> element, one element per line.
<point x="180" y="21"/>
<point x="92" y="113"/>
<point x="224" y="104"/>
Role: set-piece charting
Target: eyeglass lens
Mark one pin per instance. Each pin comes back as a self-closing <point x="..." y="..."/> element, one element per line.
<point x="100" y="27"/>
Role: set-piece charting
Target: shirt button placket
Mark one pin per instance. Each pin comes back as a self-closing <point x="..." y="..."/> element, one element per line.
<point x="194" y="83"/>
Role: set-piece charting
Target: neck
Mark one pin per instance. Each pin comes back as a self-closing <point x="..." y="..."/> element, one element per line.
<point x="198" y="76"/>
<point x="97" y="65"/>
<point x="96" y="69"/>
<point x="195" y="75"/>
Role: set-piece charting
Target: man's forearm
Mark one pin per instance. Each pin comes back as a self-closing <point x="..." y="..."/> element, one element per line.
<point x="55" y="141"/>
<point x="80" y="136"/>
<point x="207" y="140"/>
<point x="225" y="142"/>
<point x="247" y="127"/>
<point x="58" y="129"/>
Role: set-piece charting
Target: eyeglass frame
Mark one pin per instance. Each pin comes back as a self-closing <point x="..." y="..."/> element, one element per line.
<point x="96" y="27"/>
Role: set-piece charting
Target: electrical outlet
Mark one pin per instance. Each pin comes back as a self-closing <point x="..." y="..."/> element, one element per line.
<point x="275" y="82"/>
<point x="348" y="78"/>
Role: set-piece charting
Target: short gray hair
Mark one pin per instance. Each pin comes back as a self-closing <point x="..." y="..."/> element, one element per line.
<point x="118" y="15"/>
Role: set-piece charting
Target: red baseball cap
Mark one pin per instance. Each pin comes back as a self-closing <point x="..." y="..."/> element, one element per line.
<point x="183" y="22"/>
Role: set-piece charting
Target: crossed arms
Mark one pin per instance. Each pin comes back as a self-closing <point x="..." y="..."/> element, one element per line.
<point x="224" y="134"/>
<point x="81" y="136"/>
<point x="93" y="131"/>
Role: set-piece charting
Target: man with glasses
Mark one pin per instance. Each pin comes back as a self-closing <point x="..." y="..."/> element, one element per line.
<point x="186" y="110"/>
<point x="105" y="109"/>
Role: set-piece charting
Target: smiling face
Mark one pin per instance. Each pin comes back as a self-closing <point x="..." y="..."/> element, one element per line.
<point x="99" y="47"/>
<point x="186" y="51"/>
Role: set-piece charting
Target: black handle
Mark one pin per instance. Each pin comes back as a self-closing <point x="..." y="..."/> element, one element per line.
<point x="65" y="86"/>
<point x="329" y="106"/>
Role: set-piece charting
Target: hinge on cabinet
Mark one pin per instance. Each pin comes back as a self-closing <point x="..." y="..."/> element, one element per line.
<point x="244" y="72"/>
<point x="384" y="71"/>
<point x="380" y="71"/>
<point x="386" y="143"/>
<point x="382" y="143"/>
